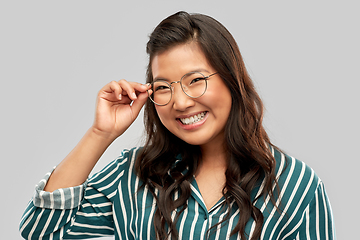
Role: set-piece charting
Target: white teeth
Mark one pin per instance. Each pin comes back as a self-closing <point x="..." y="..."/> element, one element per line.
<point x="193" y="119"/>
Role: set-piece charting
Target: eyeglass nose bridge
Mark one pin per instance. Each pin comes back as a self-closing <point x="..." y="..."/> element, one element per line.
<point x="184" y="88"/>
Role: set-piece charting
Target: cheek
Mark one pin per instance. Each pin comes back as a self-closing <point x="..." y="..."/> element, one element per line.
<point x="163" y="114"/>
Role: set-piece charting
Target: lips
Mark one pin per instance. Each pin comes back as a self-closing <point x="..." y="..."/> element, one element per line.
<point x="193" y="119"/>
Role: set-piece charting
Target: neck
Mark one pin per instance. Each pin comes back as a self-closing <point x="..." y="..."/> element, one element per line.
<point x="214" y="156"/>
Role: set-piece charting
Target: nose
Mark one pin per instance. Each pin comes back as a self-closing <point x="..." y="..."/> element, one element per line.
<point x="180" y="100"/>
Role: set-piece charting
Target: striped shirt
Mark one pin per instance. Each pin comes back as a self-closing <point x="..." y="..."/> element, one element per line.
<point x="110" y="203"/>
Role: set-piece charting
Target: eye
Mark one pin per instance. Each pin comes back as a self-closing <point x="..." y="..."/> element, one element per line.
<point x="161" y="87"/>
<point x="198" y="79"/>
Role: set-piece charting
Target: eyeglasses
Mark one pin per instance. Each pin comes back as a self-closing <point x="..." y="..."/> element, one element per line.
<point x="193" y="84"/>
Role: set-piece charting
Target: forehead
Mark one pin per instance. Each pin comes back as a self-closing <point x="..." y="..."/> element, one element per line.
<point x="179" y="60"/>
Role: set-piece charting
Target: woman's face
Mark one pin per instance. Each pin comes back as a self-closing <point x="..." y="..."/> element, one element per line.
<point x="211" y="109"/>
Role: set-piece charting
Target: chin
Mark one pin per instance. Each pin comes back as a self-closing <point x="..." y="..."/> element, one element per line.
<point x="193" y="141"/>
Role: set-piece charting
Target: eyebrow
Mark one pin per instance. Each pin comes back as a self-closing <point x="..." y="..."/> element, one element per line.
<point x="196" y="70"/>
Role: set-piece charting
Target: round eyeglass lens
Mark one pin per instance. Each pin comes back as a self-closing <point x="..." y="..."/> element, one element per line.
<point x="193" y="85"/>
<point x="161" y="92"/>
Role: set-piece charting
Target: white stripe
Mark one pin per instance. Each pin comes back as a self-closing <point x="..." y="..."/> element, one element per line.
<point x="94" y="214"/>
<point x="196" y="192"/>
<point x="216" y="205"/>
<point x="110" y="173"/>
<point x="293" y="230"/>
<point x="94" y="196"/>
<point x="143" y="210"/>
<point x="202" y="236"/>
<point x="72" y="197"/>
<point x="317" y="216"/>
<point x="52" y="202"/>
<point x="28" y="212"/>
<point x="136" y="205"/>
<point x="42" y="182"/>
<point x="192" y="230"/>
<point x="282" y="164"/>
<point x="36" y="223"/>
<point x="294" y="190"/>
<point x="47" y="223"/>
<point x="117" y="225"/>
<point x="27" y="222"/>
<point x="69" y="216"/>
<point x="210" y="220"/>
<point x="88" y="234"/>
<point x="57" y="224"/>
<point x="130" y="193"/>
<point x="41" y="199"/>
<point x="61" y="233"/>
<point x="218" y="229"/>
<point x="181" y="229"/>
<point x="123" y="210"/>
<point x="92" y="226"/>
<point x="291" y="171"/>
<point x="125" y="151"/>
<point x="231" y="221"/>
<point x="332" y="218"/>
<point x="62" y="198"/>
<point x="326" y="213"/>
<point x="72" y="223"/>
<point x="173" y="214"/>
<point x="307" y="222"/>
<point x="97" y="205"/>
<point x="112" y="183"/>
<point x="112" y="194"/>
<point x="82" y="193"/>
<point x="49" y="173"/>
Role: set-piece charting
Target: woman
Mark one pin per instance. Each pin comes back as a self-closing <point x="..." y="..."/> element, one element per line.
<point x="207" y="170"/>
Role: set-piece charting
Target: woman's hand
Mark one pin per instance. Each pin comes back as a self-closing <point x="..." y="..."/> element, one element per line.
<point x="118" y="105"/>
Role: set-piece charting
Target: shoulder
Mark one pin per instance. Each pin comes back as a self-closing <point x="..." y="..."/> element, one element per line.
<point x="297" y="181"/>
<point x="305" y="207"/>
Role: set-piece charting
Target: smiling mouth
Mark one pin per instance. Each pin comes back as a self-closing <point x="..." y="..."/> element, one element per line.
<point x="193" y="119"/>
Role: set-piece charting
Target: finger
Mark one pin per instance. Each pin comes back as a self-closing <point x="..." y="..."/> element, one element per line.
<point x="117" y="89"/>
<point x="134" y="88"/>
<point x="139" y="87"/>
<point x="139" y="102"/>
<point x="128" y="89"/>
<point x="111" y="91"/>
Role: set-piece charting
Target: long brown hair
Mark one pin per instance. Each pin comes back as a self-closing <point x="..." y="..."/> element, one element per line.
<point x="247" y="143"/>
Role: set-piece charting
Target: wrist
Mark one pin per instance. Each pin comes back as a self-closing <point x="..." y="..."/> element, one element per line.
<point x="102" y="136"/>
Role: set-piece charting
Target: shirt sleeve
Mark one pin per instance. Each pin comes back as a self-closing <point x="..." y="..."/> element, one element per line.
<point x="317" y="221"/>
<point x="79" y="212"/>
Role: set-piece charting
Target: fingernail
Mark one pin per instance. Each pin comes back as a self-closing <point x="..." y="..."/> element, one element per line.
<point x="133" y="95"/>
<point x="120" y="96"/>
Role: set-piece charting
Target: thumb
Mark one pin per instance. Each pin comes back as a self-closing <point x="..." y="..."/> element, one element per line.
<point x="139" y="102"/>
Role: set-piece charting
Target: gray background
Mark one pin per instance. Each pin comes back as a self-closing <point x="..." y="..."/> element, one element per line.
<point x="55" y="56"/>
